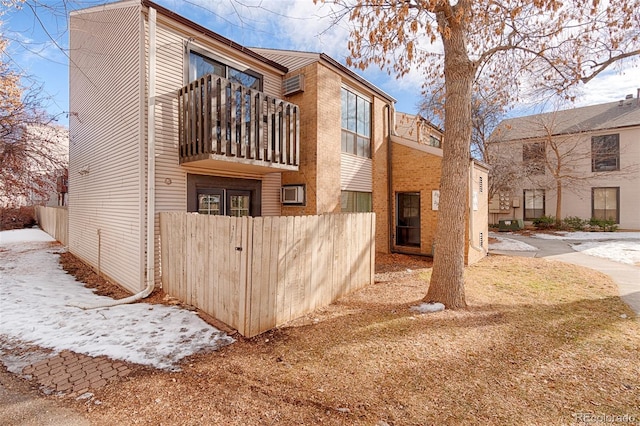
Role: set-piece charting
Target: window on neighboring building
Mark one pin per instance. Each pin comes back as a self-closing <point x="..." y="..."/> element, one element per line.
<point x="201" y="65"/>
<point x="353" y="201"/>
<point x="533" y="156"/>
<point x="605" y="153"/>
<point x="356" y="124"/>
<point x="533" y="203"/>
<point x="408" y="219"/>
<point x="434" y="141"/>
<point x="606" y="203"/>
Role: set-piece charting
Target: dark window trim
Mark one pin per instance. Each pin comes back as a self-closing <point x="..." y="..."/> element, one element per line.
<point x="597" y="157"/>
<point x="617" y="188"/>
<point x="205" y="183"/>
<point x="406" y="229"/>
<point x="215" y="58"/>
<point x="524" y="203"/>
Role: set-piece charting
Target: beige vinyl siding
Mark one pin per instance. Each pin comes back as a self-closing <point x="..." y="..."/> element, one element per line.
<point x="170" y="178"/>
<point x="355" y="173"/>
<point x="290" y="59"/>
<point x="271" y="184"/>
<point x="105" y="191"/>
<point x="272" y="78"/>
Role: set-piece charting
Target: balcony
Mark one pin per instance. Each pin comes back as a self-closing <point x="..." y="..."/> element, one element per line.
<point x="224" y="125"/>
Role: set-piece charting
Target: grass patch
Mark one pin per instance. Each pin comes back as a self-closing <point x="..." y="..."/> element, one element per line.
<point x="540" y="342"/>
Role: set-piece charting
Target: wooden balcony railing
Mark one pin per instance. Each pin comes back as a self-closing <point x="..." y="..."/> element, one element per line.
<point x="219" y="119"/>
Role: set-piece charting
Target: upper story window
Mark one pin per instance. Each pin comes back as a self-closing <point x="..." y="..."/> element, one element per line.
<point x="356" y="124"/>
<point x="533" y="156"/>
<point x="605" y="153"/>
<point x="200" y="65"/>
<point x="435" y="141"/>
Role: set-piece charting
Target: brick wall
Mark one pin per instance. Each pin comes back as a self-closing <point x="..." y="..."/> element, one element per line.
<point x="417" y="171"/>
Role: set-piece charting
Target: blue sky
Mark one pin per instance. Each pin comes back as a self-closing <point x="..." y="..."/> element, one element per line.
<point x="287" y="24"/>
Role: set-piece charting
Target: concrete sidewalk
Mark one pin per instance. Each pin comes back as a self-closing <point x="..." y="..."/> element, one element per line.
<point x="627" y="277"/>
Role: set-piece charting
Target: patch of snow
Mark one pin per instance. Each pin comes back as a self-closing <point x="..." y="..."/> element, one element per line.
<point x="601" y="236"/>
<point x="618" y="251"/>
<point x="35" y="293"/>
<point x="508" y="244"/>
<point x="424" y="308"/>
<point x="28" y="235"/>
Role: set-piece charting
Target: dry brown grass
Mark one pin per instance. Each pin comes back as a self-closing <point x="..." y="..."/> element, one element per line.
<point x="540" y="341"/>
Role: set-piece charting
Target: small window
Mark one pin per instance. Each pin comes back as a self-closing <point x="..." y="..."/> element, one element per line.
<point x="408" y="219"/>
<point x="434" y="141"/>
<point x="605" y="153"/>
<point x="533" y="204"/>
<point x="606" y="203"/>
<point x="533" y="157"/>
<point x="210" y="204"/>
<point x="353" y="201"/>
<point x="480" y="184"/>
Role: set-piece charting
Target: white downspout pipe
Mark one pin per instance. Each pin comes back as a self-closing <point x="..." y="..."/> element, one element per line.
<point x="151" y="173"/>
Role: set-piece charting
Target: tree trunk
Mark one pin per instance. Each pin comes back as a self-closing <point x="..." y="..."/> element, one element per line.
<point x="447" y="278"/>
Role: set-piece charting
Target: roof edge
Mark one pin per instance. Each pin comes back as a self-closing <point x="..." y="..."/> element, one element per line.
<point x="209" y="33"/>
<point x="361" y="80"/>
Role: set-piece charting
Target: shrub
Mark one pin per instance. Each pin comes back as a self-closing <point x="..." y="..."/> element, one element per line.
<point x="606" y="225"/>
<point x="544" y="222"/>
<point x="574" y="223"/>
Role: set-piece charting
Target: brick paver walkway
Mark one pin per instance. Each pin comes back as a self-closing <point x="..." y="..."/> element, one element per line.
<point x="74" y="374"/>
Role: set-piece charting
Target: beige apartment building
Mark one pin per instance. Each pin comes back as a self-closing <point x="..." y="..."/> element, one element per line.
<point x="594" y="151"/>
<point x="167" y="115"/>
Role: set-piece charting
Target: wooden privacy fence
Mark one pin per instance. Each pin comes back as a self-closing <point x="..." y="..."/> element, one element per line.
<point x="55" y="222"/>
<point x="257" y="273"/>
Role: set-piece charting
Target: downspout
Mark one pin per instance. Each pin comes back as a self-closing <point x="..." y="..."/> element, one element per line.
<point x="389" y="178"/>
<point x="151" y="169"/>
<point x="471" y="227"/>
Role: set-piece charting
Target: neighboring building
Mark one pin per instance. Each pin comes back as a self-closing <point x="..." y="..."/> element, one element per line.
<point x="416" y="171"/>
<point x="167" y="115"/>
<point x="48" y="158"/>
<point x="599" y="151"/>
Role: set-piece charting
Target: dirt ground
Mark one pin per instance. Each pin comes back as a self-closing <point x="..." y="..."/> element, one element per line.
<point x="540" y="343"/>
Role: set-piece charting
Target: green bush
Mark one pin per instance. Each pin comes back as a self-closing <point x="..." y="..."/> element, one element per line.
<point x="606" y="225"/>
<point x="574" y="223"/>
<point x="544" y="222"/>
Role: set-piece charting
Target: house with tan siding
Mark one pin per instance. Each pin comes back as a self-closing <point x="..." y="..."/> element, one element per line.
<point x="166" y="115"/>
<point x="597" y="150"/>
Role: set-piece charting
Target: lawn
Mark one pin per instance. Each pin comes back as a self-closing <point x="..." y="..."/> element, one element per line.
<point x="542" y="342"/>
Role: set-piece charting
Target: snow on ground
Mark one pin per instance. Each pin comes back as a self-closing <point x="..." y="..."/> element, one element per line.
<point x="35" y="293"/>
<point x="619" y="251"/>
<point x="599" y="236"/>
<point x="508" y="244"/>
<point x="623" y="247"/>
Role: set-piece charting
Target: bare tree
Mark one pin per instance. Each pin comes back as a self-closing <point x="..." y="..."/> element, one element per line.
<point x="31" y="156"/>
<point x="553" y="45"/>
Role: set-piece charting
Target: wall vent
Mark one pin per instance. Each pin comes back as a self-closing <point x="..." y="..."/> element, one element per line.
<point x="293" y="85"/>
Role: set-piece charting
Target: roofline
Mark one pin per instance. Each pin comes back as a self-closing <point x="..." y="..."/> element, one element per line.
<point x="583" y="132"/>
<point x="209" y="33"/>
<point x="356" y="77"/>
